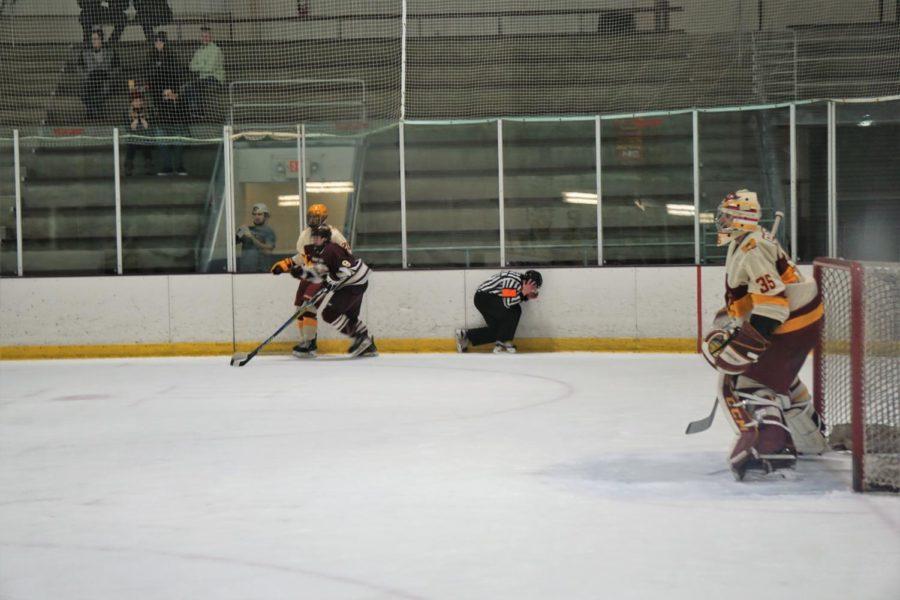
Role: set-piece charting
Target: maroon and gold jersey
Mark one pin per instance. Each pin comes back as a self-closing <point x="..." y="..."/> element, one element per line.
<point x="336" y="265"/>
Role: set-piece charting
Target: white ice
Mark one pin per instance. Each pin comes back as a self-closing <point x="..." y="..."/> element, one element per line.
<point x="542" y="476"/>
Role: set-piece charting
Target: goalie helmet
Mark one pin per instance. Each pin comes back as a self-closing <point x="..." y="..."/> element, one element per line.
<point x="738" y="214"/>
<point x="316" y="215"/>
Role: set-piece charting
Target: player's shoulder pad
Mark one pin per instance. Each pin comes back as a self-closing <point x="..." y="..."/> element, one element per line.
<point x="754" y="240"/>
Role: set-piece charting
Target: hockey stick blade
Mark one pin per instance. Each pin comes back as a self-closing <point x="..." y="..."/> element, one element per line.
<point x="239" y="359"/>
<point x="704" y="423"/>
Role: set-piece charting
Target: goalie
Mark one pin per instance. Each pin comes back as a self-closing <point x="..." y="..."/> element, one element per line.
<point x="759" y="343"/>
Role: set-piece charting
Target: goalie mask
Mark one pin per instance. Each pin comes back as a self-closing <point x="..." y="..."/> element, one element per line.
<point x="737" y="214"/>
<point x="316" y="215"/>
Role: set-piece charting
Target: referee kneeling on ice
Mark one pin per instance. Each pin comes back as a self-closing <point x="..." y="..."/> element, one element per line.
<point x="499" y="301"/>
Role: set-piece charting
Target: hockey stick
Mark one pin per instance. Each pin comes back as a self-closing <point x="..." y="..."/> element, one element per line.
<point x="239" y="359"/>
<point x="706" y="422"/>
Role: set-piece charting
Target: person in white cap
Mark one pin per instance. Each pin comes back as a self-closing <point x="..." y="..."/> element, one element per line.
<point x="257" y="242"/>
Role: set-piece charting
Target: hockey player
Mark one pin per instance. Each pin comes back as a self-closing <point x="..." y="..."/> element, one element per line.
<point x="760" y="342"/>
<point x="334" y="269"/>
<point x="499" y="301"/>
<point x="316" y="216"/>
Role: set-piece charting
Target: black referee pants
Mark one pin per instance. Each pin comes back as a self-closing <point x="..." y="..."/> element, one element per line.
<point x="501" y="321"/>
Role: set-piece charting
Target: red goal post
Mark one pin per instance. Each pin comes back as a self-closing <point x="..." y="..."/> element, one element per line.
<point x="857" y="367"/>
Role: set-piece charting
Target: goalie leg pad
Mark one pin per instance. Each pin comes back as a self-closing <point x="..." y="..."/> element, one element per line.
<point x="803" y="421"/>
<point x="763" y="442"/>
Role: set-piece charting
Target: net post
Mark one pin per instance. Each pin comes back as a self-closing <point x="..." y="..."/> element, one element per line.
<point x="857" y="382"/>
<point x="818" y="353"/>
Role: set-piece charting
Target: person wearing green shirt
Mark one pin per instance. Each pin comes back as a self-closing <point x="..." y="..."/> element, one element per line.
<point x="208" y="70"/>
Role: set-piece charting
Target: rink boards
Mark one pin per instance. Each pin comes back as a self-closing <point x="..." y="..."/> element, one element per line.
<point x="601" y="309"/>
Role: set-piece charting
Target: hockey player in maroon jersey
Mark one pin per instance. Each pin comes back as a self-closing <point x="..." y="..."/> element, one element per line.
<point x="334" y="269"/>
<point x="307" y="324"/>
<point x="761" y="340"/>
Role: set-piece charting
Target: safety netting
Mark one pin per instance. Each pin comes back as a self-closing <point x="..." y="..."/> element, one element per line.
<point x="183" y="68"/>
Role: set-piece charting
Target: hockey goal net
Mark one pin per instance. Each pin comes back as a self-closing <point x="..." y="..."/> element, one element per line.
<point x="857" y="367"/>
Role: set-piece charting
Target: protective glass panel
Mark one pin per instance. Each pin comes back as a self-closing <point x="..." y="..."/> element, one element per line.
<point x="8" y="263"/>
<point x="266" y="176"/>
<point x="812" y="182"/>
<point x="548" y="171"/>
<point x="375" y="221"/>
<point x="868" y="181"/>
<point x="743" y="150"/>
<point x="452" y="196"/>
<point x="648" y="190"/>
<point x="333" y="167"/>
<point x="68" y="204"/>
<point x="172" y="210"/>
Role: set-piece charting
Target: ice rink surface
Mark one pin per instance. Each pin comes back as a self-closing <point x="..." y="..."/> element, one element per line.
<point x="541" y="476"/>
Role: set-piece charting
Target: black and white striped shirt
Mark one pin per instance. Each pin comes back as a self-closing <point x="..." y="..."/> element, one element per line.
<point x="507" y="285"/>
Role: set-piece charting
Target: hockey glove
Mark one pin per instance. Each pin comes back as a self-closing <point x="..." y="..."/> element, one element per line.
<point x="300" y="272"/>
<point x="736" y="356"/>
<point x="282" y="266"/>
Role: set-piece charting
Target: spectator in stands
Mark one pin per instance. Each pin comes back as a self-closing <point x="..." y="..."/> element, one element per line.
<point x="151" y="14"/>
<point x="138" y="123"/>
<point x="91" y="18"/>
<point x="115" y="15"/>
<point x="97" y="66"/>
<point x="208" y="71"/>
<point x="164" y="77"/>
<point x="257" y="242"/>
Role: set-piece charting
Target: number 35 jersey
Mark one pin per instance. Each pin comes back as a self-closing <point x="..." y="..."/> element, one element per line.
<point x="760" y="279"/>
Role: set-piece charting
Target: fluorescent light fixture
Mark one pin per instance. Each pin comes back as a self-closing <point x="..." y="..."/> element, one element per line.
<point x="317" y="187"/>
<point x="866" y="121"/>
<point x="680" y="210"/>
<point x="329" y="187"/>
<point x="580" y="197"/>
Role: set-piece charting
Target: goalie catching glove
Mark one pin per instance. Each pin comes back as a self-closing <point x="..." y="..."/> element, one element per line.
<point x="282" y="266"/>
<point x="733" y="352"/>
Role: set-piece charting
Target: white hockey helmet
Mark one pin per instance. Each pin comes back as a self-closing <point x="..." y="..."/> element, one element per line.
<point x="738" y="214"/>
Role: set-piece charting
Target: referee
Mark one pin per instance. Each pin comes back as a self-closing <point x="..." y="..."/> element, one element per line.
<point x="499" y="301"/>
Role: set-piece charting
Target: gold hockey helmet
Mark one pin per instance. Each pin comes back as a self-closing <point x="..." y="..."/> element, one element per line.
<point x="316" y="215"/>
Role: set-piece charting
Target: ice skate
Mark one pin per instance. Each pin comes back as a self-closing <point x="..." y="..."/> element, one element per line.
<point x="462" y="341"/>
<point x="305" y="349"/>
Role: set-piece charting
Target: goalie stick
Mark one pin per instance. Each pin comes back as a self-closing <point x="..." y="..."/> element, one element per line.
<point x="239" y="359"/>
<point x="706" y="422"/>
